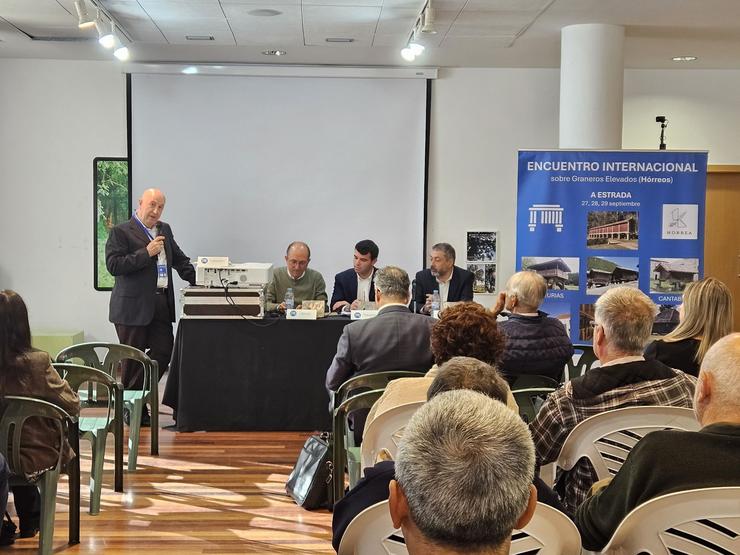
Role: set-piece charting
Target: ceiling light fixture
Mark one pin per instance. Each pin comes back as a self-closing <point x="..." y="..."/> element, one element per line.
<point x="190" y="70"/>
<point x="106" y="38"/>
<point x="684" y="58"/>
<point x="84" y="21"/>
<point x="413" y="46"/>
<point x="199" y="37"/>
<point x="264" y="12"/>
<point x="339" y="39"/>
<point x="274" y="52"/>
<point x="427" y="20"/>
<point x="121" y="52"/>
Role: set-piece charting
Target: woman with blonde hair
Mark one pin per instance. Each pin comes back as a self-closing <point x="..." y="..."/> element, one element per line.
<point x="705" y="315"/>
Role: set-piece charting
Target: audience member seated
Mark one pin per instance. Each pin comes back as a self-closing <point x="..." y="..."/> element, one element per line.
<point x="672" y="460"/>
<point x="396" y="339"/>
<point x="705" y="315"/>
<point x="457" y="373"/>
<point x="623" y="321"/>
<point x="466" y="329"/>
<point x="307" y="284"/>
<point x="535" y="343"/>
<point x="28" y="372"/>
<point x="463" y="477"/>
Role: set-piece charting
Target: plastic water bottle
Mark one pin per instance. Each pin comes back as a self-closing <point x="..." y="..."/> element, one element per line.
<point x="289" y="299"/>
<point x="436" y="301"/>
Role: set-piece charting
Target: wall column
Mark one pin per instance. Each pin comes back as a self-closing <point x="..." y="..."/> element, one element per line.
<point x="591" y="86"/>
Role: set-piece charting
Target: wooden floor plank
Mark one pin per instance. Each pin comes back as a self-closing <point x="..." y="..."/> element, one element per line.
<point x="207" y="493"/>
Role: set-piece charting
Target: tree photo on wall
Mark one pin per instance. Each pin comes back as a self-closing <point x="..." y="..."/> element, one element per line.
<point x="112" y="206"/>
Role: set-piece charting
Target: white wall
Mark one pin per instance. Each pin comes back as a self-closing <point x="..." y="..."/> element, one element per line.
<point x="702" y="107"/>
<point x="56" y="116"/>
<point x="480" y="118"/>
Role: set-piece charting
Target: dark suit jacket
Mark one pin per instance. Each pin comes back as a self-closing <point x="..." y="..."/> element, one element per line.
<point x="345" y="287"/>
<point x="126" y="257"/>
<point x="461" y="286"/>
<point x="396" y="339"/>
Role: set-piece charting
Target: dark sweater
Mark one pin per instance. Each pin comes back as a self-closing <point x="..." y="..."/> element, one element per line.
<point x="534" y="345"/>
<point x="680" y="355"/>
<point x="662" y="462"/>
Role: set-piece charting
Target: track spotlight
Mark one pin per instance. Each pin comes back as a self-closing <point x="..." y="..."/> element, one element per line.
<point x="416" y="48"/>
<point x="84" y="21"/>
<point x="121" y="52"/>
<point x="106" y="37"/>
<point x="427" y="20"/>
<point x="408" y="54"/>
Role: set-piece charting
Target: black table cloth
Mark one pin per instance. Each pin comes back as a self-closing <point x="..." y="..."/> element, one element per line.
<point x="252" y="374"/>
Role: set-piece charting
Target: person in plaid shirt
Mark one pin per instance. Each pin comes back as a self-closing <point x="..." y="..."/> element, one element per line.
<point x="622" y="324"/>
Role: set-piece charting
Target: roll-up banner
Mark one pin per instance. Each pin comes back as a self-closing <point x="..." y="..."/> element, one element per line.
<point x="588" y="221"/>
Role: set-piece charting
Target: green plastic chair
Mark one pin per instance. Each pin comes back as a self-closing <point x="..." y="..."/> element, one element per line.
<point x="133" y="399"/>
<point x="17" y="411"/>
<point x="95" y="429"/>
<point x="585" y="361"/>
<point x="374" y="380"/>
<point x="344" y="452"/>
<point x="529" y="400"/>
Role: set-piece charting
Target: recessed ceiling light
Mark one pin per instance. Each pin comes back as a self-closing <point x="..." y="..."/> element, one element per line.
<point x="264" y="12"/>
<point x="339" y="39"/>
<point x="684" y="58"/>
<point x="190" y="70"/>
<point x="199" y="37"/>
<point x="274" y="52"/>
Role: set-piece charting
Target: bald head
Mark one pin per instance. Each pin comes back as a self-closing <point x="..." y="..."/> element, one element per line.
<point x="717" y="397"/>
<point x="151" y="206"/>
<point x="297" y="257"/>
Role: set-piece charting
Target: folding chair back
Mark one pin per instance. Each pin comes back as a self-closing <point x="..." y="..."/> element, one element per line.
<point x="385" y="431"/>
<point x="700" y="522"/>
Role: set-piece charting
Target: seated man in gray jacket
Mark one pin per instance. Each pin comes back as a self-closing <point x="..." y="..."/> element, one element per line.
<point x="396" y="339"/>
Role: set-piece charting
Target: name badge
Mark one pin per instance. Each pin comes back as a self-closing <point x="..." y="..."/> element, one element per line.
<point x="161" y="270"/>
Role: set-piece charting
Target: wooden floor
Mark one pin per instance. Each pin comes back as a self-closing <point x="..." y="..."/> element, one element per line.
<point x="215" y="492"/>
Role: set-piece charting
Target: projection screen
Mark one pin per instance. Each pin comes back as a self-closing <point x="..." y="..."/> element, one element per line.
<point x="249" y="164"/>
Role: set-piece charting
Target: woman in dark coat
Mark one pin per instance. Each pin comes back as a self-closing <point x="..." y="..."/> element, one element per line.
<point x="28" y="372"/>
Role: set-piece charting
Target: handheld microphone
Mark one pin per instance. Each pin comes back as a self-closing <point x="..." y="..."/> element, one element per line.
<point x="413" y="293"/>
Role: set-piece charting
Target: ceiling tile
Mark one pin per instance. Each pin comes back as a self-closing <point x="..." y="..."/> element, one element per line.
<point x="394" y="26"/>
<point x="489" y="24"/>
<point x="281" y="30"/>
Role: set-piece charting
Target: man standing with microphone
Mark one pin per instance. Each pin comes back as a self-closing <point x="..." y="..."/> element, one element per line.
<point x="140" y="254"/>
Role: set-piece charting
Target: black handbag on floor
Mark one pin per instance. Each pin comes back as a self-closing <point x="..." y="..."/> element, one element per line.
<point x="310" y="482"/>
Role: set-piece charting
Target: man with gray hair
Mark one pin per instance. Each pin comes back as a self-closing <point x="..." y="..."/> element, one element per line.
<point x="463" y="476"/>
<point x="396" y="339"/>
<point x="622" y="325"/>
<point x="676" y="460"/>
<point x="535" y="343"/>
<point x="452" y="283"/>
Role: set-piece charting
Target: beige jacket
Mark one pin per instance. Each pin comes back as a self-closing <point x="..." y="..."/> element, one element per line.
<point x="40" y="437"/>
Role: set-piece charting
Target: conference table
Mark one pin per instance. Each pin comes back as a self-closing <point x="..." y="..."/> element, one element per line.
<point x="252" y="374"/>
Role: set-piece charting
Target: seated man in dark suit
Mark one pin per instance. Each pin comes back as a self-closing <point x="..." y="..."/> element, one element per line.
<point x="396" y="339"/>
<point x="674" y="460"/>
<point x="454" y="284"/>
<point x="354" y="287"/>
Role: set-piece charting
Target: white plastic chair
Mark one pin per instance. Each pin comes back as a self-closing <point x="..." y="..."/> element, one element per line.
<point x="700" y="522"/>
<point x="549" y="532"/>
<point x="385" y="431"/>
<point x="371" y="533"/>
<point x="606" y="439"/>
